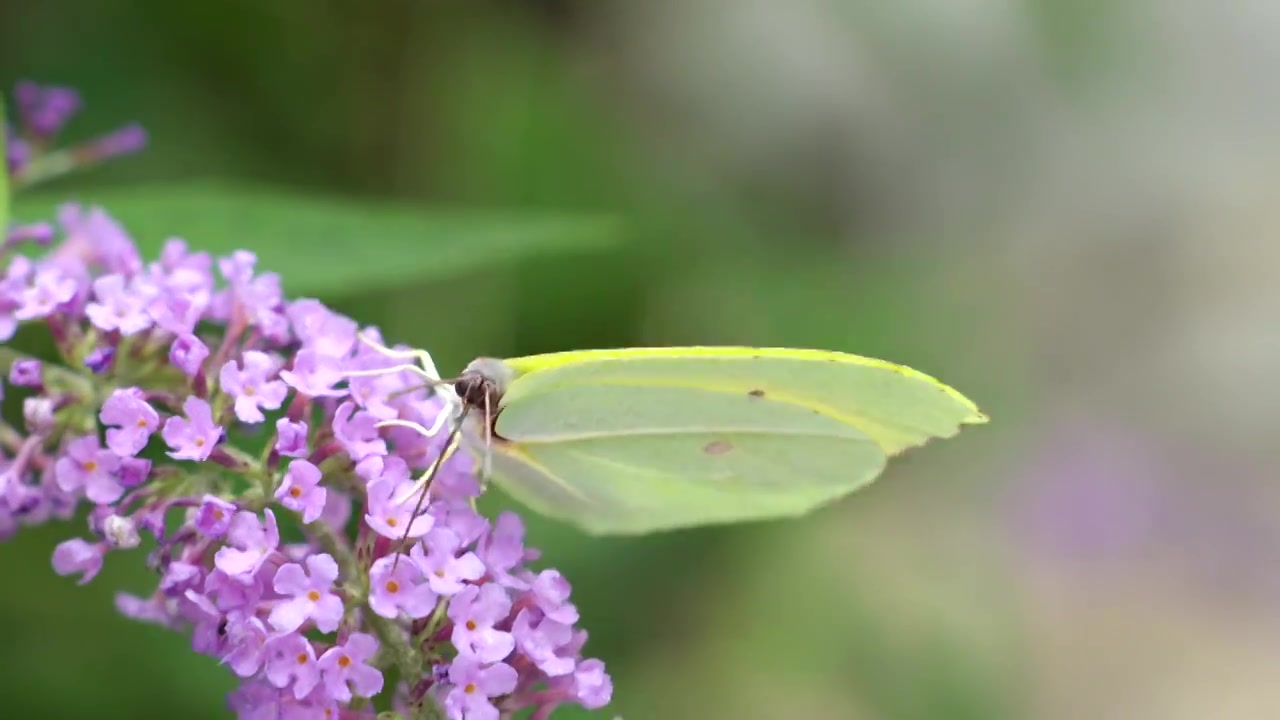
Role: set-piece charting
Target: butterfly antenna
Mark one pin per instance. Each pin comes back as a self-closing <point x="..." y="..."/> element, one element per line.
<point x="423" y="487"/>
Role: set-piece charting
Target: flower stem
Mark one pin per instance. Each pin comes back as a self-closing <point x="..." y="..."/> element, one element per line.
<point x="44" y="168"/>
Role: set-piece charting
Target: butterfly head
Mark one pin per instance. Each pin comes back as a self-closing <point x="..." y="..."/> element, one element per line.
<point x="483" y="383"/>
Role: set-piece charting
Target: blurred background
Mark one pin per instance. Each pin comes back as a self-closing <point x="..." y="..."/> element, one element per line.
<point x="1060" y="207"/>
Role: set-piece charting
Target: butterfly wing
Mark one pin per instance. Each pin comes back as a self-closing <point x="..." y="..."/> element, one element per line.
<point x="895" y="405"/>
<point x="627" y="459"/>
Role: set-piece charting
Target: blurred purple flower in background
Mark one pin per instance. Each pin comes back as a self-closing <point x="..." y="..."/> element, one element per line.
<point x="1099" y="498"/>
<point x="43" y="111"/>
<point x="1091" y="492"/>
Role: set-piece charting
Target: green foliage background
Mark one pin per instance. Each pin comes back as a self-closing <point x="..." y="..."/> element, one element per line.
<point x="472" y="178"/>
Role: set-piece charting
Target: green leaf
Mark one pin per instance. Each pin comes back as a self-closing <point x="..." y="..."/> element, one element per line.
<point x="4" y="173"/>
<point x="325" y="245"/>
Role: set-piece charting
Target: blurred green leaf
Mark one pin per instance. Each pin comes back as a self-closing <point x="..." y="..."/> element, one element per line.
<point x="327" y="245"/>
<point x="60" y="636"/>
<point x="4" y="171"/>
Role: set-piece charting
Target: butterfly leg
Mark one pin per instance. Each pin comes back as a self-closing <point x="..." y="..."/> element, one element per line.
<point x="422" y="487"/>
<point x="425" y="363"/>
<point x="407" y="367"/>
<point x="441" y="418"/>
<point x="424" y="368"/>
<point x="424" y="481"/>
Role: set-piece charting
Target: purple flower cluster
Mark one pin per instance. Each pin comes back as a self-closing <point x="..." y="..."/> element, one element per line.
<point x="271" y="450"/>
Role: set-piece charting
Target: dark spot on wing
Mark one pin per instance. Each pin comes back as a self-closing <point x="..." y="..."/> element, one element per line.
<point x="757" y="393"/>
<point x="717" y="447"/>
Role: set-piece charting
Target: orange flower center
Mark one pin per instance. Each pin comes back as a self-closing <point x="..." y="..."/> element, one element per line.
<point x="295" y="492"/>
<point x="314" y="596"/>
<point x="470" y="689"/>
<point x="393" y="586"/>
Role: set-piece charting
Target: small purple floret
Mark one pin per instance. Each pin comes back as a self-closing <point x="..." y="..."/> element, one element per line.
<point x="301" y="490"/>
<point x="192" y="437"/>
<point x="132" y="421"/>
<point x="250" y="542"/>
<point x="41" y="233"/>
<point x="124" y="141"/>
<point x="26" y="373"/>
<point x="188" y="354"/>
<point x="99" y="360"/>
<point x="214" y="516"/>
<point x="89" y="468"/>
<point x="291" y="438"/>
<point x="474" y="687"/>
<point x="346" y="670"/>
<point x="252" y="385"/>
<point x="45" y="110"/>
<point x="77" y="556"/>
<point x="310" y="595"/>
